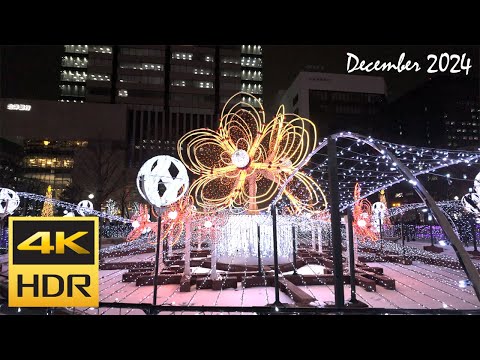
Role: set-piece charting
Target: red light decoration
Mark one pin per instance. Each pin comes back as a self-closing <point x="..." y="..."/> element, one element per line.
<point x="362" y="218"/>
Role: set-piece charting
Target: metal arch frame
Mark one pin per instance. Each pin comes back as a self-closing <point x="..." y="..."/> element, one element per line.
<point x="464" y="259"/>
<point x="394" y="211"/>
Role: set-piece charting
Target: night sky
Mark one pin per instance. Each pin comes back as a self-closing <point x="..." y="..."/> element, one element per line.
<point x="32" y="71"/>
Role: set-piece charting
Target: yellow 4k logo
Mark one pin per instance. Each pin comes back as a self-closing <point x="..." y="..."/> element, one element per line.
<point x="53" y="262"/>
<point x="45" y="246"/>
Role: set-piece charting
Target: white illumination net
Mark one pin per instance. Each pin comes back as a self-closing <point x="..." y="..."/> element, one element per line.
<point x="359" y="162"/>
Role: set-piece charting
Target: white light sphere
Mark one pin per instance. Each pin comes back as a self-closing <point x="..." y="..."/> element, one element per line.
<point x="162" y="180"/>
<point x="135" y="224"/>
<point x="361" y="223"/>
<point x="240" y="158"/>
<point x="286" y="162"/>
<point x="471" y="203"/>
<point x="9" y="201"/>
<point x="172" y="215"/>
<point x="208" y="224"/>
<point x="379" y="208"/>
<point x="476" y="183"/>
<point x="84" y="207"/>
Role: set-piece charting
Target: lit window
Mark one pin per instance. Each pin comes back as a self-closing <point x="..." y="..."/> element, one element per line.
<point x="142" y="66"/>
<point x="199" y="71"/>
<point x="204" y="84"/>
<point x="99" y="77"/>
<point x="179" y="83"/>
<point x="103" y="49"/>
<point x="182" y="56"/>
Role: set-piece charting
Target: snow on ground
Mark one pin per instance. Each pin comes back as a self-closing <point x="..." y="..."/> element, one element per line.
<point x="201" y="270"/>
<point x="310" y="269"/>
<point x="418" y="286"/>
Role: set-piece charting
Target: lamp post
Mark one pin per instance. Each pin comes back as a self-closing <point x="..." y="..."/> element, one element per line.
<point x="349" y="225"/>
<point x="260" y="272"/>
<point x="380" y="230"/>
<point x="294" y="238"/>
<point x="402" y="235"/>
<point x="275" y="254"/>
<point x="429" y="218"/>
<point x="162" y="180"/>
<point x="159" y="248"/>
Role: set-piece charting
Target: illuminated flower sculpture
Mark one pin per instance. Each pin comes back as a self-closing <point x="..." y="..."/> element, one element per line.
<point x="141" y="224"/>
<point x="244" y="162"/>
<point x="362" y="218"/>
<point x="173" y="221"/>
<point x="174" y="218"/>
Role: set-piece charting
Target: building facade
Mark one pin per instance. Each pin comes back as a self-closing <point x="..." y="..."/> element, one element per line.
<point x="443" y="112"/>
<point x="49" y="134"/>
<point x="168" y="89"/>
<point x="336" y="102"/>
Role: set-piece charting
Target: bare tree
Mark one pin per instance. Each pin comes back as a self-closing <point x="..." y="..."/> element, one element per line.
<point x="100" y="169"/>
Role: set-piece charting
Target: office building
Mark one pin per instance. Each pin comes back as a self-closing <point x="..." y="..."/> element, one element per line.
<point x="442" y="112"/>
<point x="43" y="138"/>
<point x="336" y="102"/>
<point x="168" y="89"/>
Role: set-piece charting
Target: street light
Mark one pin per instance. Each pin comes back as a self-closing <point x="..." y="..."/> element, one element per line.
<point x="91" y="196"/>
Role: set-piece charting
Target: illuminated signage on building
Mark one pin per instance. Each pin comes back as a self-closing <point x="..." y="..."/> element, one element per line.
<point x="19" y="107"/>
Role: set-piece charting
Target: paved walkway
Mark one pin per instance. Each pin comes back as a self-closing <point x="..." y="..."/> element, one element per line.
<point x="418" y="286"/>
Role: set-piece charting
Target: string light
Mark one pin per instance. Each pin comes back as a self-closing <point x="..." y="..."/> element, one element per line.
<point x="71" y="207"/>
<point x="47" y="210"/>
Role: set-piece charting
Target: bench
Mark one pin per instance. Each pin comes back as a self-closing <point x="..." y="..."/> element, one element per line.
<point x="297" y="294"/>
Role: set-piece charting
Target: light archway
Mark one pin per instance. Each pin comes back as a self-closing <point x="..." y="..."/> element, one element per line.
<point x="403" y="169"/>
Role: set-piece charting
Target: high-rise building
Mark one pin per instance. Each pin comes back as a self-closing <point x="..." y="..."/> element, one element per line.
<point x="442" y="112"/>
<point x="73" y="73"/>
<point x="336" y="102"/>
<point x="168" y="89"/>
